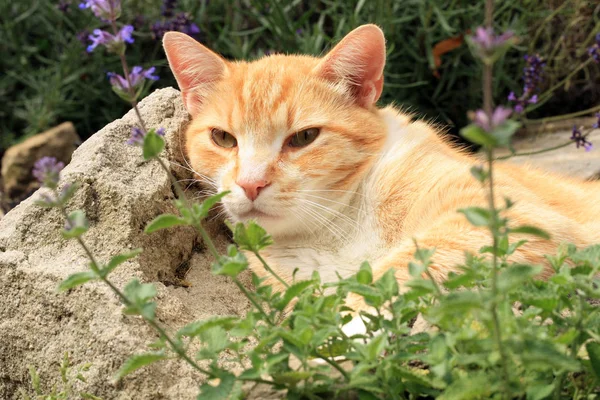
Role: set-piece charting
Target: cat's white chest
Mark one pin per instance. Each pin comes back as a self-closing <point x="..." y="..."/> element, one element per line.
<point x="329" y="256"/>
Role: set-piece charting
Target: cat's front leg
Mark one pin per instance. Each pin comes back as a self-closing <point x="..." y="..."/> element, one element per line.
<point x="451" y="237"/>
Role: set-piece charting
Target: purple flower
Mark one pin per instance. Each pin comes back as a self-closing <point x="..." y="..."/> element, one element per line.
<point x="136" y="138"/>
<point x="580" y="139"/>
<point x="487" y="41"/>
<point x="299" y="31"/>
<point x="63" y="5"/>
<point x="168" y="7"/>
<point x="47" y="171"/>
<point x="532" y="77"/>
<point x="596" y="124"/>
<point x="138" y="135"/>
<point x="180" y="22"/>
<point x="137" y="77"/>
<point x="108" y="10"/>
<point x="594" y="51"/>
<point x="114" y="44"/>
<point x="499" y="116"/>
<point x="83" y="36"/>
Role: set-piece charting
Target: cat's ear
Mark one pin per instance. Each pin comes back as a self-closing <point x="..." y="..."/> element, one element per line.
<point x="358" y="61"/>
<point x="195" y="67"/>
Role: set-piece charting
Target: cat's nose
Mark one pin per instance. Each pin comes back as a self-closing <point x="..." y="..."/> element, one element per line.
<point x="253" y="188"/>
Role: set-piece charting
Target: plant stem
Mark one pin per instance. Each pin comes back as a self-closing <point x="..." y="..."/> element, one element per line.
<point x="488" y="109"/>
<point x="530" y="153"/>
<point x="132" y="94"/>
<point x="253" y="301"/>
<point x="181" y="196"/>
<point x="264" y="263"/>
<point x="335" y="365"/>
<point x="561" y="117"/>
<point x="494" y="304"/>
<point x="125" y="300"/>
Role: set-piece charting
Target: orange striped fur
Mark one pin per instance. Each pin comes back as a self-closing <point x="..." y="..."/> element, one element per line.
<point x="373" y="179"/>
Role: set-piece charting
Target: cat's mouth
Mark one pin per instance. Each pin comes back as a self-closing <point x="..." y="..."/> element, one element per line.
<point x="254" y="213"/>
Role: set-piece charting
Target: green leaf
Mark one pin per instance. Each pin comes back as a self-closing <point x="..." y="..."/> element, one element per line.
<point x="472" y="386"/>
<point x="376" y="346"/>
<point x="388" y="284"/>
<point x="139" y="294"/>
<point x="514" y="246"/>
<point x="89" y="396"/>
<point x="504" y="132"/>
<point x="415" y="269"/>
<point x="593" y="350"/>
<point x="251" y="237"/>
<point x="514" y="276"/>
<point x="138" y="361"/>
<point x="164" y="221"/>
<point x="35" y="379"/>
<point x="372" y="296"/>
<point x="76" y="225"/>
<point x="201" y="210"/>
<point x="292" y="292"/>
<point x="479" y="173"/>
<point x="475" y="134"/>
<point x="589" y="256"/>
<point x="153" y="145"/>
<point x="118" y="260"/>
<point x="365" y="274"/>
<point x="530" y="230"/>
<point x="231" y="264"/>
<point x="477" y="216"/>
<point x="197" y="327"/>
<point x="76" y="279"/>
<point x="226" y="388"/>
<point x="539" y="392"/>
<point x="454" y="281"/>
<point x="539" y="355"/>
<point x="292" y="378"/>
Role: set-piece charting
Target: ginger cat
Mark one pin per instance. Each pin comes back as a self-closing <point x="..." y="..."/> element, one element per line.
<point x="336" y="181"/>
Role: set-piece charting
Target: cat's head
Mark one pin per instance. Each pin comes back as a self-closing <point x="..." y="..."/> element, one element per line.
<point x="290" y="136"/>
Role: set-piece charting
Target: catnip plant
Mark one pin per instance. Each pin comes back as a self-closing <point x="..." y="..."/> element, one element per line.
<point x="497" y="332"/>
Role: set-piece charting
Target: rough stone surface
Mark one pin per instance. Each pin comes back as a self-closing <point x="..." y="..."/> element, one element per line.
<point x="18" y="160"/>
<point x="120" y="194"/>
<point x="569" y="160"/>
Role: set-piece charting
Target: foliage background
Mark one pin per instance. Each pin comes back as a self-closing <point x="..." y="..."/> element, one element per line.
<point x="47" y="77"/>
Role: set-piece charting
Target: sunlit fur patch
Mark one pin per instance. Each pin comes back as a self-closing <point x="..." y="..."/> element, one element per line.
<point x="262" y="104"/>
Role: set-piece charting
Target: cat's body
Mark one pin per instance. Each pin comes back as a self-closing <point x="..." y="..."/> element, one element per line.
<point x="336" y="181"/>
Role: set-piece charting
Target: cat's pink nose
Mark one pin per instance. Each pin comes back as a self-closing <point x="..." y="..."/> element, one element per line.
<point x="253" y="188"/>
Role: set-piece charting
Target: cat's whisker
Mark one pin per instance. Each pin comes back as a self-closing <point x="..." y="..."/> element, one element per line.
<point x="331" y="190"/>
<point x="334" y="201"/>
<point x="335" y="229"/>
<point x="333" y="212"/>
<point x="317" y="218"/>
<point x="200" y="177"/>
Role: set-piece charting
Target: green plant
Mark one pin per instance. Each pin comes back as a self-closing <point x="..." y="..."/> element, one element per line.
<point x="67" y="378"/>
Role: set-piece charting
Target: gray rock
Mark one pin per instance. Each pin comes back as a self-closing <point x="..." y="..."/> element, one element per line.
<point x="18" y="160"/>
<point x="120" y="194"/>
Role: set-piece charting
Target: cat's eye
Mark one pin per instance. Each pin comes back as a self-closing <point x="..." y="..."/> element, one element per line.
<point x="223" y="139"/>
<point x="304" y="137"/>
